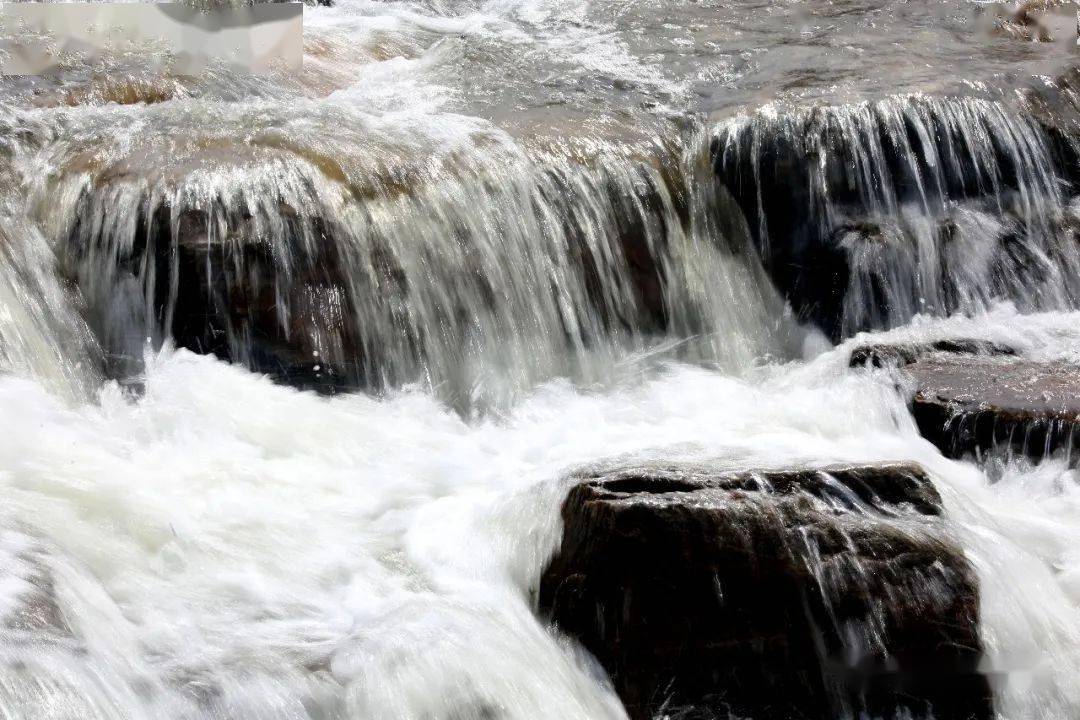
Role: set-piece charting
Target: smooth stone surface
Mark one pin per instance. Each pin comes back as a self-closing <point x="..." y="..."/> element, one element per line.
<point x="980" y="405"/>
<point x="777" y="594"/>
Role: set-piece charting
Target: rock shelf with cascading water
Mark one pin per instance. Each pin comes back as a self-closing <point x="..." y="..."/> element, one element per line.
<point x="987" y="405"/>
<point x="498" y="219"/>
<point x="868" y="214"/>
<point x="332" y="266"/>
<point x="478" y="272"/>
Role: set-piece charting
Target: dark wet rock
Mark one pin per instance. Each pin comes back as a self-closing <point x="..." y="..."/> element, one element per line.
<point x="1023" y="22"/>
<point x="233" y="298"/>
<point x="239" y="316"/>
<point x="335" y="299"/>
<point x="891" y="355"/>
<point x="986" y="405"/>
<point x="782" y="594"/>
<point x="972" y="396"/>
<point x="769" y="188"/>
<point x="214" y="284"/>
<point x="865" y="215"/>
<point x="1055" y="106"/>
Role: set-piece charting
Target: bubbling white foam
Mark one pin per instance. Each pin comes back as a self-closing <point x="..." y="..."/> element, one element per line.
<point x="225" y="546"/>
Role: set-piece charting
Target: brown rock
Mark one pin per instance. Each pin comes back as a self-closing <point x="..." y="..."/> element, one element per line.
<point x="888" y="355"/>
<point x="979" y="405"/>
<point x="779" y="594"/>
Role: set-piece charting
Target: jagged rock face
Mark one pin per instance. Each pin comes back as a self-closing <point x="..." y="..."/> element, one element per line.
<point x="866" y="215"/>
<point x="781" y="594"/>
<point x="984" y="405"/>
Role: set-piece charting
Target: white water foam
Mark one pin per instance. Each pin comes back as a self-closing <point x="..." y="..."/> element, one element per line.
<point x="226" y="547"/>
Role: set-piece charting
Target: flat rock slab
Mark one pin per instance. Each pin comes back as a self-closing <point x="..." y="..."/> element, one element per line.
<point x="811" y="594"/>
<point x="979" y="405"/>
<point x="891" y="355"/>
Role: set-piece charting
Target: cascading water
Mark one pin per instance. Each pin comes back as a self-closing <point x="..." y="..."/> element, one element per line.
<point x="313" y="259"/>
<point x="530" y="236"/>
<point x="906" y="205"/>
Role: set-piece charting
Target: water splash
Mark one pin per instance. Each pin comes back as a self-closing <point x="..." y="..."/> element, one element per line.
<point x="41" y="332"/>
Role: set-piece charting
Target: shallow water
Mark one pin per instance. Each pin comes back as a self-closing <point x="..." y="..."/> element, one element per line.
<point x="181" y="537"/>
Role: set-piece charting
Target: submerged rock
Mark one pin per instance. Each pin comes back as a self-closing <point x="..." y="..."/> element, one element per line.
<point x="981" y="405"/>
<point x="29" y="606"/>
<point x="777" y="594"/>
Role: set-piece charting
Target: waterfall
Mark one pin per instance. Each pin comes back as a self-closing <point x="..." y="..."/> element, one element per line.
<point x="479" y="271"/>
<point x="869" y="214"/>
<point x="42" y="334"/>
<point x="297" y="370"/>
<point x="359" y="259"/>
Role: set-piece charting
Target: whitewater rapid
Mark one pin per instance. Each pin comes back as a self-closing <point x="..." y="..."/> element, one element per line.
<point x="194" y="539"/>
<point x="227" y="547"/>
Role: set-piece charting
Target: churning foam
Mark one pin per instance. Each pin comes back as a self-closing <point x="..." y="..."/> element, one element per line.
<point x="227" y="546"/>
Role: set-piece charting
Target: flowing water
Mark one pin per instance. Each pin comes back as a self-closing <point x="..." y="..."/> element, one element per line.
<point x="294" y="366"/>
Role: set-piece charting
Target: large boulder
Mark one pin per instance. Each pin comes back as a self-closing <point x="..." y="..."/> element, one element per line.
<point x="806" y="594"/>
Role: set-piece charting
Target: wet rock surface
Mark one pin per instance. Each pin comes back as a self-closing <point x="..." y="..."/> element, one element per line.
<point x="885" y="355"/>
<point x="329" y="300"/>
<point x="230" y="299"/>
<point x="985" y="404"/>
<point x="973" y="396"/>
<point x="780" y="594"/>
<point x="901" y="207"/>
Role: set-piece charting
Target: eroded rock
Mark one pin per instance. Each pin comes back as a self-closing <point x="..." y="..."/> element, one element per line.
<point x="779" y="594"/>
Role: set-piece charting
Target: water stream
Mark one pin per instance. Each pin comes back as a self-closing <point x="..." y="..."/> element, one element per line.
<point x="293" y="367"/>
